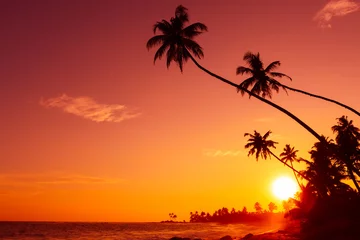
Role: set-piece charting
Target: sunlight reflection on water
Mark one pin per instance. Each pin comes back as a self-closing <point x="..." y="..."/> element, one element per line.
<point x="124" y="231"/>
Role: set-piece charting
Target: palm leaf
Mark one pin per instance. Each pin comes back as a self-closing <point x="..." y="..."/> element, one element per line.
<point x="245" y="85"/>
<point x="273" y="82"/>
<point x="244" y="70"/>
<point x="253" y="60"/>
<point x="280" y="75"/>
<point x="170" y="55"/>
<point x="181" y="13"/>
<point x="194" y="30"/>
<point x="160" y="52"/>
<point x="272" y="66"/>
<point x="163" y="26"/>
<point x="194" y="47"/>
<point x="154" y="41"/>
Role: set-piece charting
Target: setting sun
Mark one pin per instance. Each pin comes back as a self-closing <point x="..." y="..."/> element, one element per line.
<point x="284" y="187"/>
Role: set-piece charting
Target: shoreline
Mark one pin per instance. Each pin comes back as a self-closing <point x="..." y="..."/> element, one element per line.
<point x="290" y="231"/>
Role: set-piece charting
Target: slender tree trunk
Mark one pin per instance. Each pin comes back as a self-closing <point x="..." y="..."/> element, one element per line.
<point x="312" y="131"/>
<point x="321" y="97"/>
<point x="356" y="171"/>
<point x="295" y="175"/>
<point x="352" y="176"/>
<point x="302" y="175"/>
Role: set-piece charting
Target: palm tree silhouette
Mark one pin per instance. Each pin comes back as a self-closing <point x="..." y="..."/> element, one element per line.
<point x="289" y="155"/>
<point x="347" y="139"/>
<point x="325" y="174"/>
<point x="262" y="79"/>
<point x="260" y="146"/>
<point x="177" y="41"/>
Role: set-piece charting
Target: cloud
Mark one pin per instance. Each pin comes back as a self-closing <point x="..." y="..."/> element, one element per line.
<point x="265" y="119"/>
<point x="222" y="153"/>
<point x="30" y="185"/>
<point x="31" y="179"/>
<point x="88" y="108"/>
<point x="335" y="8"/>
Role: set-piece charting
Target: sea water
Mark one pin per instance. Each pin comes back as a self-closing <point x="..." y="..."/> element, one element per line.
<point x="124" y="231"/>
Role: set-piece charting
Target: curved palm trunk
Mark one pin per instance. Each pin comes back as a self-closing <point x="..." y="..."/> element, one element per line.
<point x="356" y="171"/>
<point x="295" y="171"/>
<point x="297" y="180"/>
<point x="350" y="169"/>
<point x="312" y="131"/>
<point x="321" y="97"/>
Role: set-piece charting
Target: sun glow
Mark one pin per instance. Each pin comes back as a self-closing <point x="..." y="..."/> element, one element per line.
<point x="284" y="187"/>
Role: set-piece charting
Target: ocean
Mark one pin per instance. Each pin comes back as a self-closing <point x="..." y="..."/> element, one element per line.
<point x="124" y="231"/>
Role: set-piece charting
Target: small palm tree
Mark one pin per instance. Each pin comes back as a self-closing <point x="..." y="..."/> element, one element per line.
<point x="272" y="206"/>
<point x="260" y="146"/>
<point x="263" y="79"/>
<point x="289" y="155"/>
<point x="178" y="43"/>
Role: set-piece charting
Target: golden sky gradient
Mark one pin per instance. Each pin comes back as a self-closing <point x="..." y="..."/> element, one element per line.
<point x="91" y="130"/>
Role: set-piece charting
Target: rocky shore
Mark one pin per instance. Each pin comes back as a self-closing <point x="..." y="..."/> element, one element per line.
<point x="279" y="235"/>
<point x="290" y="232"/>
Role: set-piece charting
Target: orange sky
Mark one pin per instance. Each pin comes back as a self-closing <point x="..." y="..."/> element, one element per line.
<point x="91" y="130"/>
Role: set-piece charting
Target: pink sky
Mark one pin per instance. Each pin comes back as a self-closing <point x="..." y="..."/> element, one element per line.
<point x="91" y="130"/>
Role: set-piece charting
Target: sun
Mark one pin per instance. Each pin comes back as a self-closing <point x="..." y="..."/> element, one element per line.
<point x="284" y="187"/>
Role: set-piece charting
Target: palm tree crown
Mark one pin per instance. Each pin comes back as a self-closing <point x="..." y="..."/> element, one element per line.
<point x="259" y="145"/>
<point x="262" y="79"/>
<point x="289" y="154"/>
<point x="347" y="139"/>
<point x="346" y="132"/>
<point x="176" y="39"/>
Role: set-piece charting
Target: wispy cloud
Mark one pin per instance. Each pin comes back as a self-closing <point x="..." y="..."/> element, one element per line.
<point x="36" y="184"/>
<point x="88" y="108"/>
<point x="335" y="8"/>
<point x="264" y="119"/>
<point x="222" y="153"/>
<point x="31" y="179"/>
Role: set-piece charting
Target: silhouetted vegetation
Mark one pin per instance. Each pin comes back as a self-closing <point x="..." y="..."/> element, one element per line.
<point x="224" y="215"/>
<point x="329" y="199"/>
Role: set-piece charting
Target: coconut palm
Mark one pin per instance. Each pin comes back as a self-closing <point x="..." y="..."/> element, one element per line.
<point x="262" y="80"/>
<point x="260" y="146"/>
<point x="325" y="174"/>
<point x="177" y="41"/>
<point x="289" y="155"/>
<point x="347" y="139"/>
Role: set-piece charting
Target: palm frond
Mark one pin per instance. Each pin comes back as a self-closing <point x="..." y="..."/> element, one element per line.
<point x="249" y="134"/>
<point x="276" y="83"/>
<point x="170" y="55"/>
<point x="181" y="13"/>
<point x="193" y="47"/>
<point x="181" y="57"/>
<point x="154" y="41"/>
<point x="243" y="70"/>
<point x="246" y="84"/>
<point x="280" y="75"/>
<point x="253" y="60"/>
<point x="160" y="52"/>
<point x="163" y="26"/>
<point x="194" y="30"/>
<point x="272" y="66"/>
<point x="267" y="134"/>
